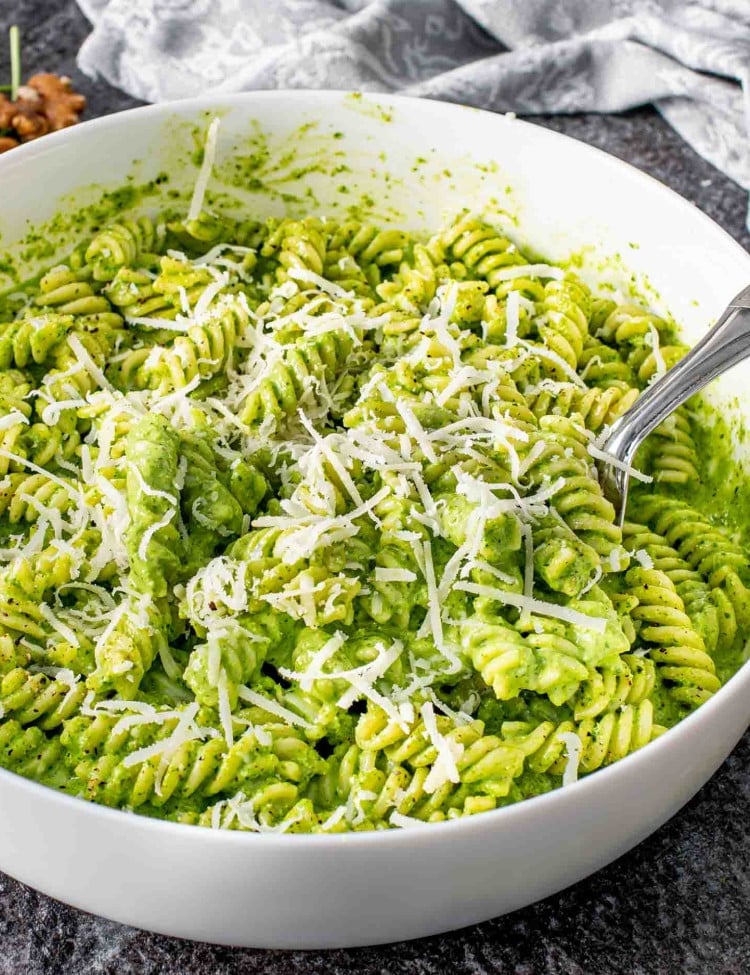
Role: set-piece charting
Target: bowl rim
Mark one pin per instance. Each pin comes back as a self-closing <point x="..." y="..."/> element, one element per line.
<point x="575" y="792"/>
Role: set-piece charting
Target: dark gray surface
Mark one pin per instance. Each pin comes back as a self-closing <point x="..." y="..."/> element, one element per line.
<point x="679" y="903"/>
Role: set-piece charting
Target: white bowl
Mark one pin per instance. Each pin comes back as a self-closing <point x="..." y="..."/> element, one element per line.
<point x="296" y="891"/>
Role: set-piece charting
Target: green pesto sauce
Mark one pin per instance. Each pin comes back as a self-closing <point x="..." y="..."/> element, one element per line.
<point x="723" y="495"/>
<point x="72" y="225"/>
<point x="358" y="103"/>
<point x="615" y="274"/>
<point x="726" y="489"/>
<point x="285" y="172"/>
<point x="286" y="175"/>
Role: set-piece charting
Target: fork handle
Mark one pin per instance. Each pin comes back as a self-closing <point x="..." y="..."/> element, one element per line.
<point x="722" y="347"/>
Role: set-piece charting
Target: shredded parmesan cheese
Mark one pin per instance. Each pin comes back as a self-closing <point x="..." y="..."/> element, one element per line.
<point x="444" y="768"/>
<point x="528" y="271"/>
<point x="573" y="746"/>
<point x="204" y="174"/>
<point x="273" y="707"/>
<point x="538" y="606"/>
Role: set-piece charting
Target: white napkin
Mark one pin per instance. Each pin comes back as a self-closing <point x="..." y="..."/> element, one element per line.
<point x="690" y="58"/>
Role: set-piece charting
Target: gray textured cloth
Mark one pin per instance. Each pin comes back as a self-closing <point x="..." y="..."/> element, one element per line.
<point x="691" y="59"/>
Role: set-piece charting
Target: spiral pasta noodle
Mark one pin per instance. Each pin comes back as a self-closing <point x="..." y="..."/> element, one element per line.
<point x="676" y="648"/>
<point x="603" y="741"/>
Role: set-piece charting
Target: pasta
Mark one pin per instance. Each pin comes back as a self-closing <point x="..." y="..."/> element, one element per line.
<point x="301" y="529"/>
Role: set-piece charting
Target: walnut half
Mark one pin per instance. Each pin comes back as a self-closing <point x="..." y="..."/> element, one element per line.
<point x="45" y="104"/>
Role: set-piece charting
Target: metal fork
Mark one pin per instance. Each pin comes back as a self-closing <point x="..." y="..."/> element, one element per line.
<point x="726" y="344"/>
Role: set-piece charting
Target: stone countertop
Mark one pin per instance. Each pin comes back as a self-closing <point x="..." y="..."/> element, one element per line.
<point x="678" y="903"/>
